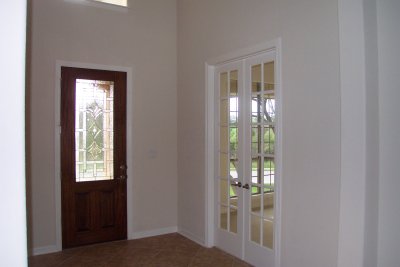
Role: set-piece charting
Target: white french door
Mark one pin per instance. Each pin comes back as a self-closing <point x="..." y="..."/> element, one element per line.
<point x="247" y="158"/>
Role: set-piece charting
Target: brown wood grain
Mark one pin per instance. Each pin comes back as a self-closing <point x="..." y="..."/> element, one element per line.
<point x="93" y="211"/>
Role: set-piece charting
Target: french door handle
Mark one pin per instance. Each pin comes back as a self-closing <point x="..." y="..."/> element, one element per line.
<point x="239" y="184"/>
<point x="246" y="186"/>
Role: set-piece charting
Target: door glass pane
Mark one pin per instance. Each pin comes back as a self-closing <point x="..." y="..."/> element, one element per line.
<point x="223" y="139"/>
<point x="233" y="83"/>
<point x="94" y="130"/>
<point x="256" y="78"/>
<point x="255" y="228"/>
<point x="234" y="178"/>
<point x="233" y="142"/>
<point x="269" y="76"/>
<point x="223" y="217"/>
<point x="255" y="200"/>
<point x="269" y="149"/>
<point x="262" y="153"/>
<point x="268" y="206"/>
<point x="223" y="84"/>
<point x="269" y="174"/>
<point x="224" y="112"/>
<point x="256" y="109"/>
<point x="255" y="140"/>
<point x="228" y="127"/>
<point x="268" y="107"/>
<point x="223" y="165"/>
<point x="223" y="186"/>
<point x="269" y="139"/>
<point x="268" y="234"/>
<point x="233" y="220"/>
<point x="255" y="170"/>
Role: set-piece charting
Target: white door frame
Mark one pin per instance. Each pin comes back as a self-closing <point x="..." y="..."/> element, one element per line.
<point x="210" y="65"/>
<point x="129" y="141"/>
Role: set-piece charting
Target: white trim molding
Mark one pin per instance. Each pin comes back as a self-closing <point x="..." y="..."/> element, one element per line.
<point x="43" y="250"/>
<point x="155" y="232"/>
<point x="107" y="6"/>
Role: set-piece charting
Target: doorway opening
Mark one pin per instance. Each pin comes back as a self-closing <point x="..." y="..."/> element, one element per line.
<point x="95" y="159"/>
<point x="244" y="155"/>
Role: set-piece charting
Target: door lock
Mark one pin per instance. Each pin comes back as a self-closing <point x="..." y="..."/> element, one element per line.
<point x="246" y="186"/>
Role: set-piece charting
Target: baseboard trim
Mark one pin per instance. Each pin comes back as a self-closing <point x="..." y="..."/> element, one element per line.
<point x="192" y="236"/>
<point x="43" y="250"/>
<point x="160" y="231"/>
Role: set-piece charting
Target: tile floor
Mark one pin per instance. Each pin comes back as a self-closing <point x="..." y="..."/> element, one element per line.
<point x="172" y="250"/>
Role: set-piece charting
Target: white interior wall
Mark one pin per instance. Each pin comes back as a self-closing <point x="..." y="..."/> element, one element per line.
<point x="12" y="118"/>
<point x="311" y="113"/>
<point x="359" y="134"/>
<point x="144" y="38"/>
<point x="67" y="31"/>
<point x="389" y="142"/>
<point x="353" y="133"/>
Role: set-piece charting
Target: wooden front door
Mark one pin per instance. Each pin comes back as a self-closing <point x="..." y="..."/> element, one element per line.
<point x="93" y="156"/>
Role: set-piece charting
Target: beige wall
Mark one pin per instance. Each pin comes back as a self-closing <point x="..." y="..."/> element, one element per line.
<point x="389" y="132"/>
<point x="143" y="38"/>
<point x="311" y="113"/>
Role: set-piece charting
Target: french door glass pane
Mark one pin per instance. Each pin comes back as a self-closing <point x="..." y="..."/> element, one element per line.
<point x="228" y="147"/>
<point x="224" y="112"/>
<point x="94" y="130"/>
<point x="256" y="109"/>
<point x="233" y="220"/>
<point x="269" y="76"/>
<point x="255" y="222"/>
<point x="255" y="170"/>
<point x="269" y="106"/>
<point x="224" y="187"/>
<point x="269" y="139"/>
<point x="269" y="174"/>
<point x="256" y="78"/>
<point x="233" y="90"/>
<point x="255" y="200"/>
<point x="262" y="153"/>
<point x="223" y="217"/>
<point x="255" y="140"/>
<point x="223" y="165"/>
<point x="223" y="85"/>
<point x="268" y="211"/>
<point x="268" y="232"/>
